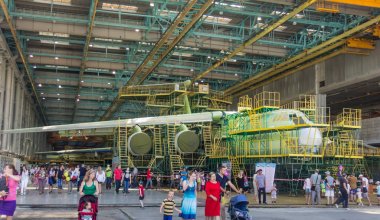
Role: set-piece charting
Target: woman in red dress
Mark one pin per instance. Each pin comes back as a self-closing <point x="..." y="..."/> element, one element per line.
<point x="212" y="208"/>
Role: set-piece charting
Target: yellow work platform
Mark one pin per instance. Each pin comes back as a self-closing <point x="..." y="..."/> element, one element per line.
<point x="280" y="128"/>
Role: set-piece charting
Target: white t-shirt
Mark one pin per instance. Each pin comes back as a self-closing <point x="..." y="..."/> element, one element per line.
<point x="359" y="195"/>
<point x="364" y="182"/>
<point x="307" y="183"/>
<point x="100" y="177"/>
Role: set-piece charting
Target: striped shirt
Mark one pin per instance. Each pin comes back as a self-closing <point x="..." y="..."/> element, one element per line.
<point x="168" y="206"/>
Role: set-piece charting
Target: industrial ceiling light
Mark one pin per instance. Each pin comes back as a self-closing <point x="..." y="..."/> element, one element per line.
<point x="236" y="74"/>
<point x="58" y="94"/>
<point x="39" y="85"/>
<point x="34" y="66"/>
<point x="91" y="45"/>
<point x="259" y="18"/>
<point x="31" y="55"/>
<point x="56" y="42"/>
<point x="137" y="30"/>
<point x="57" y="80"/>
<point x="59" y="99"/>
<point x="78" y="100"/>
<point x="151" y="4"/>
<point x="127" y="48"/>
<point x="42" y="93"/>
<point x="43" y="98"/>
<point x="109" y="83"/>
<point x="192" y="70"/>
<point x="59" y="86"/>
<point x="82" y="81"/>
<point x="294" y="23"/>
<point x="56" y="58"/>
<point x="114" y="72"/>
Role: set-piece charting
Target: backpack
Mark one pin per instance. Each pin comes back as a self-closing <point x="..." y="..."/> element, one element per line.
<point x="4" y="186"/>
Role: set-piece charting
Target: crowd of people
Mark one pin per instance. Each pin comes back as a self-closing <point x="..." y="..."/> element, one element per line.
<point x="346" y="187"/>
<point x="89" y="181"/>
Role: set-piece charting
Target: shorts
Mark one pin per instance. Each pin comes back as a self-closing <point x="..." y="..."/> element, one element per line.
<point x="353" y="191"/>
<point x="329" y="193"/>
<point x="308" y="191"/>
<point x="365" y="195"/>
<point x="141" y="197"/>
<point x="378" y="196"/>
<point x="274" y="196"/>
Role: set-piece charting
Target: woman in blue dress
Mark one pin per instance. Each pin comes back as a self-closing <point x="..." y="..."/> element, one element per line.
<point x="189" y="202"/>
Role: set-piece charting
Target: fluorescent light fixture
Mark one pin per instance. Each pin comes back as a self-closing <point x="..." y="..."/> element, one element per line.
<point x="58" y="94"/>
<point x="217" y="20"/>
<point x="43" y="98"/>
<point x="259" y="18"/>
<point x="182" y="54"/>
<point x="54" y="42"/>
<point x="39" y="85"/>
<point x="59" y="99"/>
<point x="43" y="33"/>
<point x="82" y="81"/>
<point x="279" y="13"/>
<point x="119" y="7"/>
<point x="114" y="72"/>
<point x="56" y="58"/>
<point x="91" y="45"/>
<point x="280" y="28"/>
<point x="232" y="60"/>
<point x="127" y="48"/>
<point x="34" y="67"/>
<point x="168" y="13"/>
<point x="31" y="56"/>
<point x="192" y="70"/>
<point x="59" y="86"/>
<point x="151" y="4"/>
<point x="109" y="83"/>
<point x="236" y="74"/>
<point x="137" y="30"/>
<point x="78" y="100"/>
<point x="57" y="80"/>
<point x="42" y="93"/>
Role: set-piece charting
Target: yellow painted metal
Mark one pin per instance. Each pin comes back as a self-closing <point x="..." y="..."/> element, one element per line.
<point x="266" y="99"/>
<point x="348" y="119"/>
<point x="326" y="6"/>
<point x="22" y="57"/>
<point x="257" y="37"/>
<point x="122" y="145"/>
<point x="364" y="3"/>
<point x="164" y="39"/>
<point x="207" y="138"/>
<point x="176" y="162"/>
<point x="245" y="103"/>
<point x="361" y="43"/>
<point x="302" y="56"/>
<point x="376" y="31"/>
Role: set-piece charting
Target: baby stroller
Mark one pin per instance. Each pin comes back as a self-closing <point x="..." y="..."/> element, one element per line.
<point x="238" y="208"/>
<point x="82" y="204"/>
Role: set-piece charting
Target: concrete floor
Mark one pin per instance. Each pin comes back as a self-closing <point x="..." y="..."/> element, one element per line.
<point x="114" y="207"/>
<point x="151" y="213"/>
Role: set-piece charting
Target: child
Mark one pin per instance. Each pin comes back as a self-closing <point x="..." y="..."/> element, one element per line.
<point x="203" y="182"/>
<point x="141" y="194"/>
<point x="172" y="181"/>
<point x="86" y="213"/>
<point x="169" y="205"/>
<point x="359" y="197"/>
<point x="274" y="193"/>
<point x="378" y="192"/>
<point x="158" y="178"/>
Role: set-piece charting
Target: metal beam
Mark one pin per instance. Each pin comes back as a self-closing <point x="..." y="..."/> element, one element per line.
<point x="254" y="39"/>
<point x="271" y="71"/>
<point x="364" y="3"/>
<point x="94" y="4"/>
<point x="22" y="57"/>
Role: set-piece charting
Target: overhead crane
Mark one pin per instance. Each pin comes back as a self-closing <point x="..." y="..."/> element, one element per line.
<point x="301" y="57"/>
<point x="182" y="24"/>
<point x="92" y="13"/>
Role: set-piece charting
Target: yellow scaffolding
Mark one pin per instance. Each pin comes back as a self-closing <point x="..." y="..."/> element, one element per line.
<point x="267" y="100"/>
<point x="245" y="103"/>
<point x="348" y="119"/>
<point x="327" y="6"/>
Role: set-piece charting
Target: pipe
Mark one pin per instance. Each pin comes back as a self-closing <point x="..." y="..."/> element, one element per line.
<point x="187" y="104"/>
<point x="77" y="151"/>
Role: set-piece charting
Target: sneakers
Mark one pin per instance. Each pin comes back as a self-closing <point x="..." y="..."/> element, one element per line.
<point x="336" y="205"/>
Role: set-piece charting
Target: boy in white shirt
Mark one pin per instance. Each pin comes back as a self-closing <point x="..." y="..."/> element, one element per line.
<point x="359" y="197"/>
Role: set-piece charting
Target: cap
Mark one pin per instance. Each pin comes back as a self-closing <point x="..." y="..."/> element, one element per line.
<point x="360" y="175"/>
<point x="327" y="172"/>
<point x="377" y="183"/>
<point x="259" y="170"/>
<point x="316" y="170"/>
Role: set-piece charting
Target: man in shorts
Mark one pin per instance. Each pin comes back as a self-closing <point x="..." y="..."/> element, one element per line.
<point x="330" y="185"/>
<point x="353" y="182"/>
<point x="365" y="186"/>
